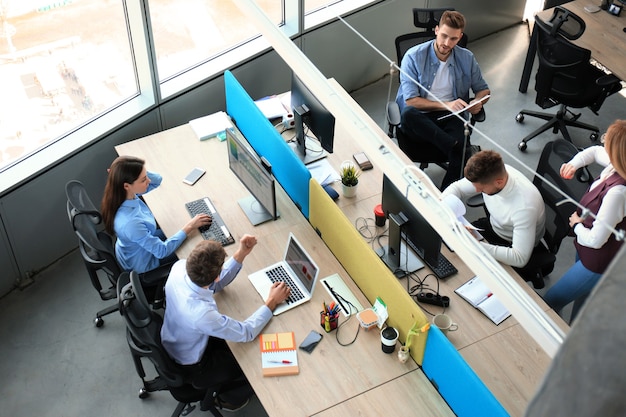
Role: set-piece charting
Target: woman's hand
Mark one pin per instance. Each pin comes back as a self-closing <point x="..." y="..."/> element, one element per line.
<point x="567" y="171"/>
<point x="574" y="219"/>
<point x="196" y="222"/>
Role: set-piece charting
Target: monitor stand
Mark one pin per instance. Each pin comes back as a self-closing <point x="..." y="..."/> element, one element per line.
<point x="314" y="152"/>
<point x="255" y="211"/>
<point x="398" y="257"/>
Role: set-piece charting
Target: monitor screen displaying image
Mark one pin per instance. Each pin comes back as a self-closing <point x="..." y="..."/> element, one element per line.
<point x="255" y="175"/>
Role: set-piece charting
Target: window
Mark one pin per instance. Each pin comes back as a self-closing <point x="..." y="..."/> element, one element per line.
<point x="60" y="66"/>
<point x="189" y="32"/>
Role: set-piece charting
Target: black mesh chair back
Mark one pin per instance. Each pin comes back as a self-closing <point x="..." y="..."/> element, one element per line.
<point x="562" y="68"/>
<point x="558" y="209"/>
<point x="565" y="77"/>
<point x="566" y="23"/>
<point x="143" y="335"/>
<point x="95" y="245"/>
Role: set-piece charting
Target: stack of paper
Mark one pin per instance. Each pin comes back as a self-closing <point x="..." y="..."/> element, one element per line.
<point x="272" y="107"/>
<point x="209" y="126"/>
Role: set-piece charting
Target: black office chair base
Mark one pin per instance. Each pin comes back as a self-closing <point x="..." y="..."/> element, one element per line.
<point x="557" y="122"/>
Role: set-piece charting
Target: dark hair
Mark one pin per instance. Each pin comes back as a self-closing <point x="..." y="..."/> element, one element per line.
<point x="484" y="167"/>
<point x="124" y="169"/>
<point x="205" y="262"/>
<point x="453" y="19"/>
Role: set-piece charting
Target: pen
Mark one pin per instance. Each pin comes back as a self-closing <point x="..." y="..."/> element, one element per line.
<point x="283" y="361"/>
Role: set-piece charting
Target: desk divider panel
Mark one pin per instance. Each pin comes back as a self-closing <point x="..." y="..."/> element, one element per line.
<point x="365" y="267"/>
<point x="287" y="168"/>
<point x="456" y="382"/>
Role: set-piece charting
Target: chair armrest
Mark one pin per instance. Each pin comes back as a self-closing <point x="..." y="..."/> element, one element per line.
<point x="393" y="113"/>
<point x="607" y="80"/>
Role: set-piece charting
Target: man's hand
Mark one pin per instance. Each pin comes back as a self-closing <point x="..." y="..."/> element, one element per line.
<point x="246" y="244"/>
<point x="278" y="294"/>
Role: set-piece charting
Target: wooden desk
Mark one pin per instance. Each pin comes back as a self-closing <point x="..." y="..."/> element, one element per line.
<point x="603" y="36"/>
<point x="506" y="358"/>
<point x="332" y="373"/>
<point x="366" y="374"/>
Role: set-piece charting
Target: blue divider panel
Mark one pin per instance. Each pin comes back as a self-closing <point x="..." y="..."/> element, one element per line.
<point x="288" y="169"/>
<point x="457" y="383"/>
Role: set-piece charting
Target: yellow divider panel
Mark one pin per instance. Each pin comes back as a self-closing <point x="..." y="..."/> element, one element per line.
<point x="365" y="267"/>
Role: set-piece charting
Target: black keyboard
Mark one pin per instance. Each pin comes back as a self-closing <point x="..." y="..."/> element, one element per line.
<point x="444" y="267"/>
<point x="278" y="274"/>
<point x="217" y="230"/>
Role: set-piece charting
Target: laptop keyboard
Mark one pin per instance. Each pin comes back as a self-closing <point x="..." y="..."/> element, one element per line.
<point x="444" y="267"/>
<point x="217" y="230"/>
<point x="278" y="274"/>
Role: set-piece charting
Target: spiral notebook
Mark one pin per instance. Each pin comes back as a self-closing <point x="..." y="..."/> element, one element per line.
<point x="278" y="354"/>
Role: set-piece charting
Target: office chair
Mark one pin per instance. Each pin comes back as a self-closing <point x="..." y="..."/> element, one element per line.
<point x="143" y="334"/>
<point x="558" y="209"/>
<point x="97" y="248"/>
<point x="565" y="77"/>
<point x="425" y="19"/>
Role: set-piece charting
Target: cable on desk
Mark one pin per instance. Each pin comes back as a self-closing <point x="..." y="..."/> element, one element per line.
<point x="343" y="301"/>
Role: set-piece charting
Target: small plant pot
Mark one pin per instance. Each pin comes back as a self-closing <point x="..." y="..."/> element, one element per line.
<point x="349" y="191"/>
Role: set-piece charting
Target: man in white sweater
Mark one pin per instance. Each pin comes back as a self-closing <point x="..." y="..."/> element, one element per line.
<point x="516" y="221"/>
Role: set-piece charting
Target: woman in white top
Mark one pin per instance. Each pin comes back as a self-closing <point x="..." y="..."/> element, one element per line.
<point x="595" y="241"/>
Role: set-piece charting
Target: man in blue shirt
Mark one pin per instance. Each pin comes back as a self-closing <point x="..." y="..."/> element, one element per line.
<point x="445" y="73"/>
<point x="194" y="331"/>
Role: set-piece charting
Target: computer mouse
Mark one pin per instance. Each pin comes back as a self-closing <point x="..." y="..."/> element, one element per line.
<point x="331" y="192"/>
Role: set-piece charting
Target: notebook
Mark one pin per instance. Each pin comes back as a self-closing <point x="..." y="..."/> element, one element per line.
<point x="278" y="354"/>
<point x="297" y="269"/>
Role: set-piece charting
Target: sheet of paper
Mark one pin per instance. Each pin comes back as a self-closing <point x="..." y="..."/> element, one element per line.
<point x="323" y="172"/>
<point x="272" y="107"/>
<point x="472" y="104"/>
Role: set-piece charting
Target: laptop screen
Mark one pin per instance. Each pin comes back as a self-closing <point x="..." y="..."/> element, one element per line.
<point x="300" y="263"/>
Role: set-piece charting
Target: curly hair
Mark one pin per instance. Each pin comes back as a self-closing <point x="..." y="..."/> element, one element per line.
<point x="615" y="145"/>
<point x="205" y="262"/>
<point x="484" y="167"/>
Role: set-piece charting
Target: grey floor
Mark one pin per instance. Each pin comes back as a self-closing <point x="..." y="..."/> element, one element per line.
<point x="56" y="363"/>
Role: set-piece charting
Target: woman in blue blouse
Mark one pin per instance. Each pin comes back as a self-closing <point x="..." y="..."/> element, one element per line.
<point x="140" y="245"/>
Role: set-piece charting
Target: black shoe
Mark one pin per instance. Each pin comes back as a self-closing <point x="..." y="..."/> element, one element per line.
<point x="225" y="406"/>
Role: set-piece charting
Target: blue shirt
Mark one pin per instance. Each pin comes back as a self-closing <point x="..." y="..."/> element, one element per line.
<point x="192" y="316"/>
<point x="138" y="246"/>
<point x="420" y="63"/>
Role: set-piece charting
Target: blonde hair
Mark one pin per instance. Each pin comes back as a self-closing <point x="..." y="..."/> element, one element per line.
<point x="615" y="145"/>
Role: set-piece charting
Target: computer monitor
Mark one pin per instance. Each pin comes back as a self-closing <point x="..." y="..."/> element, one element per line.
<point x="255" y="174"/>
<point x="406" y="223"/>
<point x="309" y="112"/>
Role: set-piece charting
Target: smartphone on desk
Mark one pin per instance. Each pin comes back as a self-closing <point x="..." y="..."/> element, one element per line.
<point x="309" y="342"/>
<point x="194" y="176"/>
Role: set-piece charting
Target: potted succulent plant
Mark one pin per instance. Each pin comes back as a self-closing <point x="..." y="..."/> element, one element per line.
<point x="349" y="178"/>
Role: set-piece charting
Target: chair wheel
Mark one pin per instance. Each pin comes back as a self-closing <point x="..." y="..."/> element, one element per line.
<point x="143" y="393"/>
<point x="519" y="118"/>
<point x="98" y="321"/>
<point x="594" y="136"/>
<point x="522" y="146"/>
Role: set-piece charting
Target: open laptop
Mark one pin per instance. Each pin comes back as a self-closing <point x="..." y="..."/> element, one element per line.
<point x="301" y="273"/>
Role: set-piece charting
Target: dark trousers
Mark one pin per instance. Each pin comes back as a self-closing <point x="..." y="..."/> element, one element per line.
<point x="446" y="135"/>
<point x="218" y="366"/>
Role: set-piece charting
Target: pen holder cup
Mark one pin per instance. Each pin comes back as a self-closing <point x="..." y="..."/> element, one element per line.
<point x="328" y="322"/>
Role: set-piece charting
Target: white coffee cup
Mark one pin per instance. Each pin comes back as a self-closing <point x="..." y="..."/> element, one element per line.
<point x="445" y="323"/>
